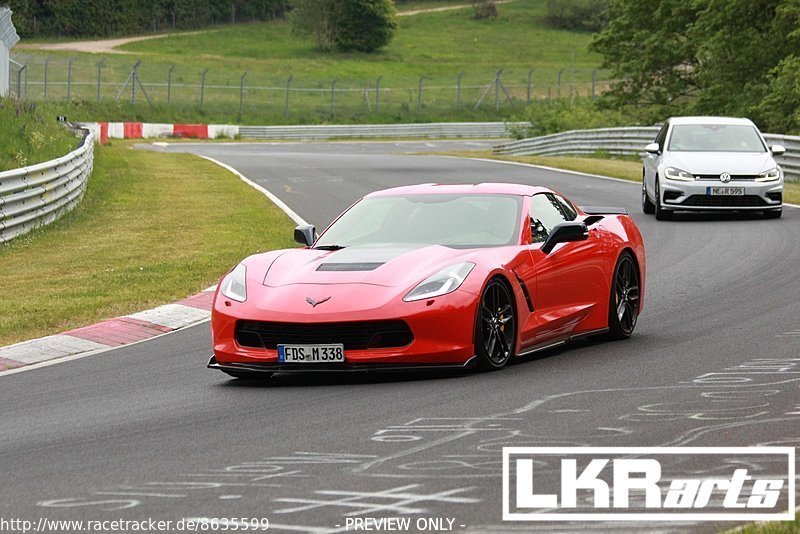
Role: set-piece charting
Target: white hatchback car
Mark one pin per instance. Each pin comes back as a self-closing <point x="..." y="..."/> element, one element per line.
<point x="711" y="163"/>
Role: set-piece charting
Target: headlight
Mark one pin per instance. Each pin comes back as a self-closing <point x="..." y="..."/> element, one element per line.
<point x="676" y="174"/>
<point x="445" y="281"/>
<point x="234" y="286"/>
<point x="769" y="176"/>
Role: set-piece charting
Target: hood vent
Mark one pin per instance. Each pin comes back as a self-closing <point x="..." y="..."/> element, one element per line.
<point x="364" y="266"/>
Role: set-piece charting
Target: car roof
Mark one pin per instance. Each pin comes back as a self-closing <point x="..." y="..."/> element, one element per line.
<point x="462" y="189"/>
<point x="711" y="120"/>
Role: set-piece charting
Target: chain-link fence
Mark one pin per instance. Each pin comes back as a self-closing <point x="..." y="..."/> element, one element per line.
<point x="222" y="90"/>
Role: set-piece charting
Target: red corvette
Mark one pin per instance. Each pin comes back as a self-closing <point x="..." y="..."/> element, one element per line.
<point x="432" y="276"/>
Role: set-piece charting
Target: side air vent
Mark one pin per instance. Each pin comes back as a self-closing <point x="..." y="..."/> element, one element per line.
<point x="348" y="266"/>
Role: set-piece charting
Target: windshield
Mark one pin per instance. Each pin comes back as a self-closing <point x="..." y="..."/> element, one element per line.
<point x="715" y="138"/>
<point x="460" y="221"/>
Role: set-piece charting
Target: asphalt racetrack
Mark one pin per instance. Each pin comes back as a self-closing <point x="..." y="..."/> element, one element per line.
<point x="146" y="431"/>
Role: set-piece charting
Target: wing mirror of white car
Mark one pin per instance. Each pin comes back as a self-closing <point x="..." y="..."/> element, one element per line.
<point x="778" y="150"/>
<point x="653" y="148"/>
<point x="305" y="234"/>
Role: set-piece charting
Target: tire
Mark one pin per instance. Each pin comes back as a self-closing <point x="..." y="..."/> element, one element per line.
<point x="661" y="213"/>
<point x="495" y="326"/>
<point x="773" y="214"/>
<point x="623" y="303"/>
<point x="647" y="205"/>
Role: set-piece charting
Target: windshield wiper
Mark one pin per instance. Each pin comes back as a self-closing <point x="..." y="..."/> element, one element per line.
<point x="329" y="247"/>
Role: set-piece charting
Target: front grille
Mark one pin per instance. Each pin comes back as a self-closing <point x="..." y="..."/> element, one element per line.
<point x="720" y="201"/>
<point x="734" y="177"/>
<point x="359" y="335"/>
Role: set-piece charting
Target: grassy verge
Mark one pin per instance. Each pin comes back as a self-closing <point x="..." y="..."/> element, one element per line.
<point x="626" y="169"/>
<point x="772" y="527"/>
<point x="30" y="135"/>
<point x="154" y="227"/>
<point x="438" y="46"/>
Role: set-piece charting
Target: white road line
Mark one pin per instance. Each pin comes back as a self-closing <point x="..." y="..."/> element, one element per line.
<point x="278" y="202"/>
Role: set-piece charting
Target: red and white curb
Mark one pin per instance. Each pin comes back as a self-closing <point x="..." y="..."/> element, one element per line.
<point x="110" y="333"/>
<point x="145" y="130"/>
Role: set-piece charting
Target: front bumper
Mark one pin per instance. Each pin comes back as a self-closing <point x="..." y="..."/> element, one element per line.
<point x="442" y="328"/>
<point x="696" y="196"/>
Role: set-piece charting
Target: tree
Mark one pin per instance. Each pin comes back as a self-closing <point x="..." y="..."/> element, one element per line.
<point x="347" y="25"/>
<point x="648" y="48"/>
<point x="721" y="57"/>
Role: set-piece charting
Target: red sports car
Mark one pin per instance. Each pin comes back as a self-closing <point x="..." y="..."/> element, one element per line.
<point x="432" y="276"/>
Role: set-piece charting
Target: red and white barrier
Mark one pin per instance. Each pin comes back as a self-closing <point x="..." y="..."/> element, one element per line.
<point x="146" y="130"/>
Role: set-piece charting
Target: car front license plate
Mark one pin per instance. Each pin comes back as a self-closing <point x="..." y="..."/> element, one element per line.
<point x="310" y="353"/>
<point x="725" y="191"/>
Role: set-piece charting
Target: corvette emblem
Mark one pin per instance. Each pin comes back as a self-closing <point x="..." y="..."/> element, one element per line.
<point x="315" y="303"/>
<point x="724" y="177"/>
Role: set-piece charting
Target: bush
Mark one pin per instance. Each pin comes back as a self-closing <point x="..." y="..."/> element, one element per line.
<point x="365" y="25"/>
<point x="561" y="115"/>
<point x="347" y="25"/>
<point x="484" y="9"/>
<point x="779" y="109"/>
<point x="583" y="15"/>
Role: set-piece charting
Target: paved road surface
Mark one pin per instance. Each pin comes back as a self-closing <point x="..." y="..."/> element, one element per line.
<point x="147" y="431"/>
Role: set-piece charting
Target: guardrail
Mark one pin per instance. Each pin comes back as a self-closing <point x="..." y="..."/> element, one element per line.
<point x="39" y="194"/>
<point x="628" y="142"/>
<point x="474" y="130"/>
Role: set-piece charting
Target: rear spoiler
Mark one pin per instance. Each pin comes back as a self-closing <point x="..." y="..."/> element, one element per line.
<point x="603" y="210"/>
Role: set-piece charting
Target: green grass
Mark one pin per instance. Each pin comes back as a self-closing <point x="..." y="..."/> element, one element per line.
<point x="153" y="228"/>
<point x="30" y="135"/>
<point x="624" y="168"/>
<point x="772" y="527"/>
<point x="438" y="46"/>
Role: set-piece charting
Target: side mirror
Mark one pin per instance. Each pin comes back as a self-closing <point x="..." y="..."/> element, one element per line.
<point x="564" y="233"/>
<point x="653" y="148"/>
<point x="305" y="234"/>
<point x="778" y="150"/>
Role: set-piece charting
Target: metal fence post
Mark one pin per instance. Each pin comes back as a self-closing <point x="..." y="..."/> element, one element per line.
<point x="558" y="84"/>
<point x="497" y="91"/>
<point x="202" y="87"/>
<point x="530" y="76"/>
<point x="286" y="101"/>
<point x="333" y="89"/>
<point x="133" y="77"/>
<point x="458" y="90"/>
<point x="46" y="62"/>
<point x="419" y="95"/>
<point x="378" y="95"/>
<point x="19" y="81"/>
<point x="69" y="79"/>
<point x="26" y="81"/>
<point x="99" y="77"/>
<point x="169" y="85"/>
<point x="594" y="80"/>
<point x="241" y="93"/>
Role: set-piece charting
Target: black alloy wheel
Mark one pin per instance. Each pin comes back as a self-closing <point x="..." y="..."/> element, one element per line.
<point x="623" y="309"/>
<point x="496" y="327"/>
